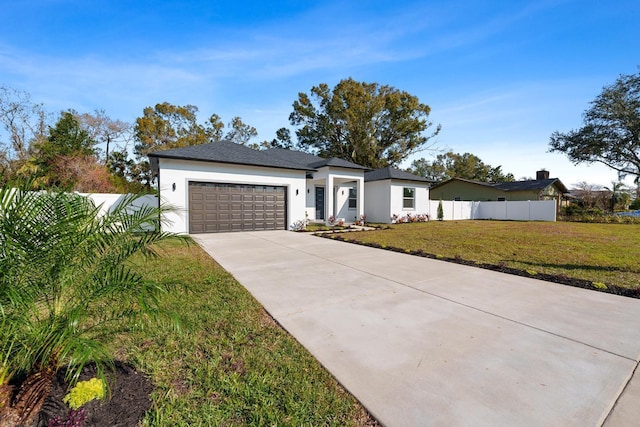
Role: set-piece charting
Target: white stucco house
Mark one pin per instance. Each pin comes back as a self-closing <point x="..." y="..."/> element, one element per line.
<point x="223" y="186"/>
<point x="389" y="191"/>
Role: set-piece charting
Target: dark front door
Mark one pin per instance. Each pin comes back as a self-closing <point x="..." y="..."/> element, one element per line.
<point x="319" y="202"/>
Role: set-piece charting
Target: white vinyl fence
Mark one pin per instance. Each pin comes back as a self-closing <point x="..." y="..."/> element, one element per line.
<point x="108" y="201"/>
<point x="533" y="210"/>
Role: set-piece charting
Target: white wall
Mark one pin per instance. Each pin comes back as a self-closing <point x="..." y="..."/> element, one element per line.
<point x="383" y="199"/>
<point x="341" y="198"/>
<point x="181" y="172"/>
<point x="310" y="199"/>
<point x="534" y="210"/>
<point x="377" y="201"/>
<point x="421" y="202"/>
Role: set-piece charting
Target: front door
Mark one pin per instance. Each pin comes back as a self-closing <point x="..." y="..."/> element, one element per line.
<point x="319" y="202"/>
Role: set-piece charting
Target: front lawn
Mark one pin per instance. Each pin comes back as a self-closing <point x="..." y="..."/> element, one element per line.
<point x="232" y="364"/>
<point x="607" y="253"/>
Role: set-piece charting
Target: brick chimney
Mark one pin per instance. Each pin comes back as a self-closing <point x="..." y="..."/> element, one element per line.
<point x="542" y="175"/>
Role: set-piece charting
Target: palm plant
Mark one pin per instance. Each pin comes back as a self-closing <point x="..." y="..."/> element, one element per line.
<point x="619" y="195"/>
<point x="66" y="283"/>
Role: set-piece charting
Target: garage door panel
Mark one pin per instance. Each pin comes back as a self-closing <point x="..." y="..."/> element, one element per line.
<point x="217" y="207"/>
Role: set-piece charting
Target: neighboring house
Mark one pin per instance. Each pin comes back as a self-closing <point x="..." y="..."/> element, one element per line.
<point x="389" y="191"/>
<point x="542" y="188"/>
<point x="223" y="186"/>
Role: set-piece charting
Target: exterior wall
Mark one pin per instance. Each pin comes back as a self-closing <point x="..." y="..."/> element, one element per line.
<point x="421" y="203"/>
<point x="310" y="200"/>
<point x="377" y="196"/>
<point x="384" y="198"/>
<point x="335" y="180"/>
<point x="181" y="172"/>
<point x="466" y="191"/>
<point x="341" y="201"/>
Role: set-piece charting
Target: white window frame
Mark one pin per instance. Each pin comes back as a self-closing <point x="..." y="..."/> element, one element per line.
<point x="411" y="198"/>
<point x="353" y="197"/>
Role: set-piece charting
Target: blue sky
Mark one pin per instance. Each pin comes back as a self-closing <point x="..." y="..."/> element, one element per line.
<point x="499" y="76"/>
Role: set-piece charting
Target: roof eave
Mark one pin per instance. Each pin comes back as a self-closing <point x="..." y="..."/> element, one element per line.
<point x="195" y="159"/>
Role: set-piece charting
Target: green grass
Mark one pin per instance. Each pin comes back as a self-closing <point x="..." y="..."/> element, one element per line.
<point x="604" y="253"/>
<point x="232" y="364"/>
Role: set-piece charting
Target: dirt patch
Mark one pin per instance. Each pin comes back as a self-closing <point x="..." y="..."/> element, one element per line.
<point x="126" y="405"/>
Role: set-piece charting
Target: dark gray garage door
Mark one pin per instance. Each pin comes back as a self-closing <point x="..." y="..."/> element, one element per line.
<point x="215" y="208"/>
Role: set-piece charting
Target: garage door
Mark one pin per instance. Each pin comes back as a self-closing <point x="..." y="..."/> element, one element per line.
<point x="215" y="208"/>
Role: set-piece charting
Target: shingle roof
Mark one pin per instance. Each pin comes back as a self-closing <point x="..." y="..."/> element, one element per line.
<point x="392" y="173"/>
<point x="229" y="152"/>
<point x="338" y="163"/>
<point x="313" y="162"/>
<point x="529" y="185"/>
<point x="293" y="156"/>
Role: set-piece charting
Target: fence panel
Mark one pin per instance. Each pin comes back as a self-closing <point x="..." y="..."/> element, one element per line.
<point x="533" y="210"/>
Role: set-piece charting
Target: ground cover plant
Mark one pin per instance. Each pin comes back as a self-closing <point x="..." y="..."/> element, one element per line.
<point x="606" y="254"/>
<point x="232" y="365"/>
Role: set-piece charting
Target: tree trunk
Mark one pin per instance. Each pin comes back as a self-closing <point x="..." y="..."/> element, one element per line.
<point x="33" y="392"/>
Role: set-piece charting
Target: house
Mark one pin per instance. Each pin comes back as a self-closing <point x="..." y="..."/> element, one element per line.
<point x="389" y="191"/>
<point x="541" y="188"/>
<point x="223" y="186"/>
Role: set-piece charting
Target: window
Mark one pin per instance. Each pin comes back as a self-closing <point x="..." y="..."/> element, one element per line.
<point x="408" y="198"/>
<point x="353" y="198"/>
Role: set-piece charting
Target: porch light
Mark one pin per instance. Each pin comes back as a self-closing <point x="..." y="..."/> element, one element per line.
<point x="296" y="191"/>
<point x="173" y="186"/>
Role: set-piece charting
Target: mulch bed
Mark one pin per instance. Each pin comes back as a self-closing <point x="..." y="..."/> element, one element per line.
<point x="555" y="278"/>
<point x="125" y="406"/>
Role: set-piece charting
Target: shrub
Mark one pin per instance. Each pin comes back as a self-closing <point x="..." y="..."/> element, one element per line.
<point x="440" y="211"/>
<point x="65" y="281"/>
<point x="85" y="391"/>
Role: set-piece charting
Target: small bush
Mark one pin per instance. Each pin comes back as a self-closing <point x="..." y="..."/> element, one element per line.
<point x="85" y="391"/>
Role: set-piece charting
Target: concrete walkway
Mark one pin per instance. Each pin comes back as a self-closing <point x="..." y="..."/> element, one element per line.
<point x="423" y="342"/>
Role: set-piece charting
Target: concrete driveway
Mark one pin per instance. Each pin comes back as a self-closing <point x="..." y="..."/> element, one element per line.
<point x="423" y="342"/>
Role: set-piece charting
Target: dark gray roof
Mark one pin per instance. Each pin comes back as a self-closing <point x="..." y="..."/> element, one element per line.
<point x="293" y="156"/>
<point x="392" y="173"/>
<point x="338" y="163"/>
<point x="530" y="185"/>
<point x="312" y="161"/>
<point x="536" y="184"/>
<point x="229" y="152"/>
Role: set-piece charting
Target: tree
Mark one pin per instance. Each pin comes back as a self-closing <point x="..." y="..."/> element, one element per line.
<point x="586" y="194"/>
<point x="66" y="140"/>
<point x="454" y="165"/>
<point x="282" y="140"/>
<point x="619" y="195"/>
<point x="167" y="126"/>
<point x="366" y="123"/>
<point x="240" y="132"/>
<point x="65" y="280"/>
<point x="84" y="174"/>
<point x="611" y="130"/>
<point x="104" y="130"/>
<point x="25" y="123"/>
